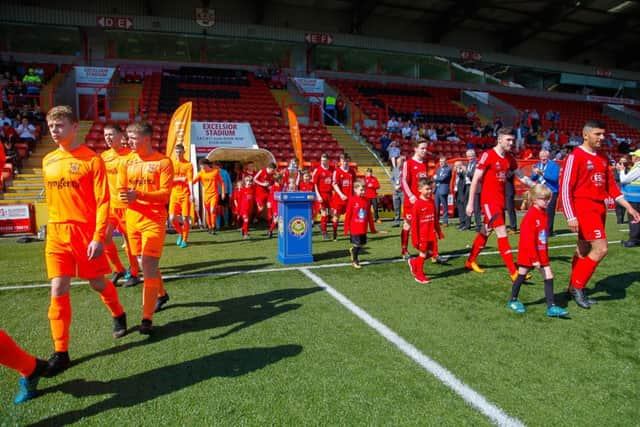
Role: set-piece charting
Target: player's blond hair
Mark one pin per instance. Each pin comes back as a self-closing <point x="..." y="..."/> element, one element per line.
<point x="358" y="183"/>
<point x="62" y="112"/>
<point x="141" y="128"/>
<point x="538" y="191"/>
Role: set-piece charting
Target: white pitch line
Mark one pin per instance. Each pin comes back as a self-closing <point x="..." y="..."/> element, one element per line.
<point x="472" y="397"/>
<point x="275" y="269"/>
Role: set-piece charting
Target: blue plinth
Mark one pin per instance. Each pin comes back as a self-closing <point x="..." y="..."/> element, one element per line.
<point x="295" y="227"/>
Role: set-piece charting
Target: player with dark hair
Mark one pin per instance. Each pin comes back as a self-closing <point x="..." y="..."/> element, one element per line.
<point x="181" y="199"/>
<point x="356" y="220"/>
<point x="322" y="178"/>
<point x="342" y="182"/>
<point x="587" y="181"/>
<point x="413" y="170"/>
<point x="492" y="170"/>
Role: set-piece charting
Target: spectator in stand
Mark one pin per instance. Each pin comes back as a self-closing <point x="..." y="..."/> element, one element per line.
<point x="547" y="172"/>
<point x="407" y="130"/>
<point x="385" y="140"/>
<point x="398" y="195"/>
<point x="575" y="140"/>
<point x="442" y="179"/>
<point x="521" y="135"/>
<point x="560" y="155"/>
<point x="393" y="126"/>
<point x="432" y="134"/>
<point x="451" y="134"/>
<point x="497" y="125"/>
<point x="563" y="138"/>
<point x="15" y="87"/>
<point x="535" y="120"/>
<point x="371" y="186"/>
<point x="11" y="156"/>
<point x="27" y="133"/>
<point x="11" y="111"/>
<point x="4" y="119"/>
<point x="394" y="153"/>
<point x="630" y="180"/>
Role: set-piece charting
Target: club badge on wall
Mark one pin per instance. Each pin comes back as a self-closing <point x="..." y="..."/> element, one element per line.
<point x="205" y="17"/>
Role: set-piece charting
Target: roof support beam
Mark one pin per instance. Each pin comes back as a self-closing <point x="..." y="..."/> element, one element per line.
<point x="453" y="16"/>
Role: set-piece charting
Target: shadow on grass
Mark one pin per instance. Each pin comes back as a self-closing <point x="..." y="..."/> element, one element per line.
<point x="209" y="266"/>
<point x="146" y="386"/>
<point x="242" y="312"/>
<point x="615" y="286"/>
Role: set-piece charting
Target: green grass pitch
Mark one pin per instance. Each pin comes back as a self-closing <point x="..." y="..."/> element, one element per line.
<point x="269" y="347"/>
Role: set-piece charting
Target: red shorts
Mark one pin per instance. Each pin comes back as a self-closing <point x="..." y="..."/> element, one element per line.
<point x="526" y="259"/>
<point x="493" y="215"/>
<point x="326" y="201"/>
<point x="338" y="206"/>
<point x="261" y="198"/>
<point x="66" y="252"/>
<point x="427" y="246"/>
<point x="591" y="219"/>
<point x="407" y="208"/>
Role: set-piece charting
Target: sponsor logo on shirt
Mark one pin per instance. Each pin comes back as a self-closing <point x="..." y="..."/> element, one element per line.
<point x="590" y="165"/>
<point x="597" y="179"/>
<point x="74" y="168"/>
<point x="362" y="214"/>
<point x="542" y="236"/>
<point x="62" y="183"/>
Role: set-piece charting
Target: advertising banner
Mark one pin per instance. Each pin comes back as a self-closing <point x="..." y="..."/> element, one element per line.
<point x="15" y="219"/>
<point x="211" y="135"/>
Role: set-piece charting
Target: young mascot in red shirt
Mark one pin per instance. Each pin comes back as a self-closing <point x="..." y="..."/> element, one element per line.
<point x="533" y="250"/>
<point x="425" y="229"/>
<point x="356" y="219"/>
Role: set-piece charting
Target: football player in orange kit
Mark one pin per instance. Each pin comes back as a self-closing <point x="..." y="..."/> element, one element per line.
<point x="147" y="179"/>
<point x="77" y="196"/>
<point x="113" y="157"/>
<point x="210" y="179"/>
<point x="181" y="196"/>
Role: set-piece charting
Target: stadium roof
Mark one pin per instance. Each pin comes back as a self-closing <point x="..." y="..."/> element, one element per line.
<point x="571" y="27"/>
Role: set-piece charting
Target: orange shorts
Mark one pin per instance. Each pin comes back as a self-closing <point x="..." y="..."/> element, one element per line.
<point x="179" y="204"/>
<point x="66" y="252"/>
<point x="117" y="219"/>
<point x="145" y="236"/>
<point x="211" y="202"/>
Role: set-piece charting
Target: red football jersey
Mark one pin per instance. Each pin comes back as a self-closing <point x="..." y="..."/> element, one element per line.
<point x="371" y="186"/>
<point x="322" y="178"/>
<point x="306" y="186"/>
<point x="412" y="171"/>
<point x="263" y="179"/>
<point x="495" y="169"/>
<point x="357" y="216"/>
<point x="532" y="246"/>
<point x="425" y="226"/>
<point x="247" y="199"/>
<point x="586" y="176"/>
<point x="343" y="179"/>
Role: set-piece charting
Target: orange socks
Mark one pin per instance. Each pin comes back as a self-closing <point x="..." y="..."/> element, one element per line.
<point x="161" y="291"/>
<point x="111" y="252"/>
<point x="14" y="357"/>
<point x="110" y="298"/>
<point x="150" y="296"/>
<point x="185" y="231"/>
<point x="478" y="245"/>
<point x="60" y="320"/>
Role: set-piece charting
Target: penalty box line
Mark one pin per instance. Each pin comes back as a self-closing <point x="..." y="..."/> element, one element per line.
<point x="277" y="269"/>
<point x="444" y="376"/>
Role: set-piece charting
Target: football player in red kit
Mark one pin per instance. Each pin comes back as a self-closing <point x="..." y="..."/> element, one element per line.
<point x="413" y="170"/>
<point x="533" y="250"/>
<point x="322" y="179"/>
<point x="343" y="177"/>
<point x="272" y="204"/>
<point x="356" y="219"/>
<point x="425" y="229"/>
<point x="246" y="204"/>
<point x="262" y="181"/>
<point x="587" y="181"/>
<point x="493" y="169"/>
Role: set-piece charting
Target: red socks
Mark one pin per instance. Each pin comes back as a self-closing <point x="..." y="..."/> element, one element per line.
<point x="404" y="240"/>
<point x="505" y="252"/>
<point x="478" y="245"/>
<point x="582" y="272"/>
<point x="323" y="224"/>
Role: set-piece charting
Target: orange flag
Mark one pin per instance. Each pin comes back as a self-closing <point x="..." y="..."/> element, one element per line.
<point x="180" y="130"/>
<point x="296" y="140"/>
